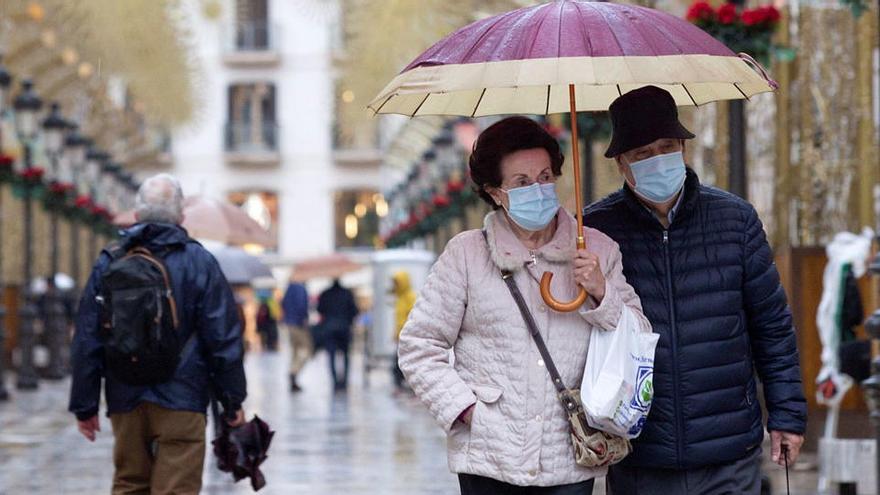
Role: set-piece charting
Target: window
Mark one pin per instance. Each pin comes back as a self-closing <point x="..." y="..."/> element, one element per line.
<point x="251" y="125"/>
<point x="356" y="219"/>
<point x="262" y="206"/>
<point x="252" y="25"/>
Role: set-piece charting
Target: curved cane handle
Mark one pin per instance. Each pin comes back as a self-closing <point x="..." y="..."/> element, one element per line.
<point x="562" y="307"/>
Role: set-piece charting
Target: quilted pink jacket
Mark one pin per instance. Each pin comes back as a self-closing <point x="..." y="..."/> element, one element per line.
<point x="518" y="433"/>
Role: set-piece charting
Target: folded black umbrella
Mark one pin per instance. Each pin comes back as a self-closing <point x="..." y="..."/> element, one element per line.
<point x="242" y="449"/>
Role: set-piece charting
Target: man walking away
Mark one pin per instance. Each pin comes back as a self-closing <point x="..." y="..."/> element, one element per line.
<point x="337" y="309"/>
<point x="157" y="324"/>
<point x="296" y="318"/>
<point x="700" y="262"/>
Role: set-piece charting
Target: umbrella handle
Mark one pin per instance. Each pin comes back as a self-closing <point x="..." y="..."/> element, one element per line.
<point x="562" y="307"/>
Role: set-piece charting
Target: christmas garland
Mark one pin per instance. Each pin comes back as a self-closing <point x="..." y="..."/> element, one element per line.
<point x="432" y="212"/>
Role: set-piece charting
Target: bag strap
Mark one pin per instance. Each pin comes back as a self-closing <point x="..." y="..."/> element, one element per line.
<point x="564" y="394"/>
<point x="507" y="276"/>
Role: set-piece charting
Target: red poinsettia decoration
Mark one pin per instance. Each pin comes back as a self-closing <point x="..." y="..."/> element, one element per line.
<point x="767" y="16"/>
<point x="61" y="188"/>
<point x="454" y="186"/>
<point x="84" y="202"/>
<point x="101" y="213"/>
<point x="748" y="30"/>
<point x="727" y="14"/>
<point x="700" y="11"/>
<point x="32" y="175"/>
<point x="440" y="201"/>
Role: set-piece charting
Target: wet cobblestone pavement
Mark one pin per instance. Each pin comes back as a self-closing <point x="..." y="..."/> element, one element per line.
<point x="366" y="441"/>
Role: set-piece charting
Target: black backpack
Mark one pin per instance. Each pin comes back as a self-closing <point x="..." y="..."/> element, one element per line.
<point x="139" y="323"/>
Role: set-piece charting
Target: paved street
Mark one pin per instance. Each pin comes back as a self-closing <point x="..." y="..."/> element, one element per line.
<point x="364" y="442"/>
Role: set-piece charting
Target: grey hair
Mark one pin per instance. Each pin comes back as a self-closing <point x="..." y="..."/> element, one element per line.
<point x="160" y="200"/>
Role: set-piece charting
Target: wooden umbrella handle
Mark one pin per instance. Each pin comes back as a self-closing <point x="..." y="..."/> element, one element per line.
<point x="562" y="307"/>
<point x="567" y="307"/>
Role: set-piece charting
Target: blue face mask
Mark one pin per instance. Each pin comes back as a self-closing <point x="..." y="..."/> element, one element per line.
<point x="533" y="207"/>
<point x="659" y="178"/>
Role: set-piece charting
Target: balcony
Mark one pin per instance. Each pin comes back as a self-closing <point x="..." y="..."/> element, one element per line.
<point x="251" y="44"/>
<point x="252" y="143"/>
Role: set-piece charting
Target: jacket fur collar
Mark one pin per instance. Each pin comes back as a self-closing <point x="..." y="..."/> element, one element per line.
<point x="509" y="253"/>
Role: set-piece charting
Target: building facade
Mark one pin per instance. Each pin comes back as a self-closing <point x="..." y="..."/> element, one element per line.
<point x="263" y="135"/>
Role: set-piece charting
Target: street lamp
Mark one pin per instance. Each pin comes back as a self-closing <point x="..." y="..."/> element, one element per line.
<point x="75" y="146"/>
<point x="95" y="159"/>
<point x="5" y="82"/>
<point x="54" y="127"/>
<point x="27" y="106"/>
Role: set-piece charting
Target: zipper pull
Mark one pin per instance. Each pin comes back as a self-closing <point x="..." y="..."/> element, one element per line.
<point x="665" y="237"/>
<point x="534" y="258"/>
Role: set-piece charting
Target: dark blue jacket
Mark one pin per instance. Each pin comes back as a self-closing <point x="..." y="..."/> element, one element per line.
<point x="337" y="308"/>
<point x="213" y="358"/>
<point x="295" y="305"/>
<point x="710" y="288"/>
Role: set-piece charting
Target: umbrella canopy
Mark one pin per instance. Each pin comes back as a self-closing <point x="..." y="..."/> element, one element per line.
<point x="238" y="265"/>
<point x="214" y="219"/>
<point x="330" y="266"/>
<point x="524" y="61"/>
<point x="569" y="56"/>
<point x="208" y="218"/>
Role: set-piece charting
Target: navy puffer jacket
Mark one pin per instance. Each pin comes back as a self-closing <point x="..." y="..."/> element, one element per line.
<point x="211" y="359"/>
<point x="710" y="288"/>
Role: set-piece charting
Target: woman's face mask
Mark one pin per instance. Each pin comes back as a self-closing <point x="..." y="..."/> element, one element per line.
<point x="532" y="207"/>
<point x="659" y="178"/>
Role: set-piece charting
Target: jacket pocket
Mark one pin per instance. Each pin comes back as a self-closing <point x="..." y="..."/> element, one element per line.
<point x="487" y="394"/>
<point x="485" y="421"/>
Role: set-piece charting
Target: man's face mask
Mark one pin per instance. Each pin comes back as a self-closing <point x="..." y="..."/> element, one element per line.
<point x="659" y="178"/>
<point x="532" y="207"/>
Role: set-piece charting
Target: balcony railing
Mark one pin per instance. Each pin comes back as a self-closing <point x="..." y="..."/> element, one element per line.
<point x="251" y="43"/>
<point x="252" y="36"/>
<point x="251" y="137"/>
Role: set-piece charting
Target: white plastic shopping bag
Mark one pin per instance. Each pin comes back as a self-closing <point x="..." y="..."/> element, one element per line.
<point x="618" y="383"/>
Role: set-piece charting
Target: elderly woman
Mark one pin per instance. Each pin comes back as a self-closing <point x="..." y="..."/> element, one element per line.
<point x="506" y="429"/>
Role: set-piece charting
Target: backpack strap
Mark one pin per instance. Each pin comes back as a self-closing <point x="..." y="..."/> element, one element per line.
<point x="115" y="250"/>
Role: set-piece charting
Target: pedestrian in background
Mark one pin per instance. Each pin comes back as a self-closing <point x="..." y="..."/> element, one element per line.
<point x="401" y="287"/>
<point x="267" y="320"/>
<point x="189" y="332"/>
<point x="508" y="431"/>
<point x="699" y="259"/>
<point x="338" y="310"/>
<point x="296" y="318"/>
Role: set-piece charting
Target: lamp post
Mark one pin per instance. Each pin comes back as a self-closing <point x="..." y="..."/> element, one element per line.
<point x="5" y="82"/>
<point x="27" y="105"/>
<point x="95" y="159"/>
<point x="54" y="324"/>
<point x="75" y="146"/>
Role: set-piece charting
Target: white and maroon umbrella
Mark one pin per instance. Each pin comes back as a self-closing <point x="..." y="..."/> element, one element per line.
<point x="214" y="219"/>
<point x="569" y="56"/>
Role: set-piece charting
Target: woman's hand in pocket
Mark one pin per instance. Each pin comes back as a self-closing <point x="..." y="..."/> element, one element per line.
<point x="465" y="416"/>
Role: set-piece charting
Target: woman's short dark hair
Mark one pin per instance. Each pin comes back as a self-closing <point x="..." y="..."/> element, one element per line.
<point x="503" y="138"/>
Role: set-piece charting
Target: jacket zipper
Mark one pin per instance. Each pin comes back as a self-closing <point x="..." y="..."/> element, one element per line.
<point x="670" y="301"/>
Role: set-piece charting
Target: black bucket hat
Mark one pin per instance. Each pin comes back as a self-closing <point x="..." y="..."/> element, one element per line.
<point x="641" y="117"/>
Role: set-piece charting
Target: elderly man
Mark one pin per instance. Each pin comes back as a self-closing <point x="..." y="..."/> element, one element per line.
<point x="700" y="262"/>
<point x="158" y="352"/>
